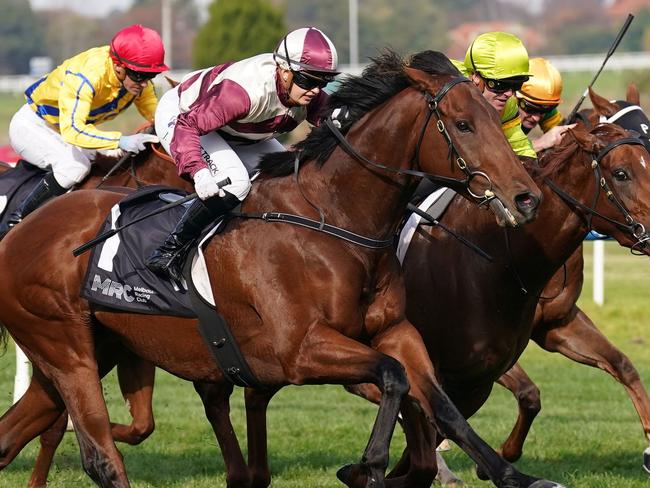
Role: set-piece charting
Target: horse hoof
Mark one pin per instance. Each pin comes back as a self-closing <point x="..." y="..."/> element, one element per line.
<point x="481" y="474"/>
<point x="357" y="476"/>
<point x="646" y="460"/>
<point x="546" y="484"/>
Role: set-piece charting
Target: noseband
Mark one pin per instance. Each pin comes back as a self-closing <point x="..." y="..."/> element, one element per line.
<point x="631" y="225"/>
<point x="456" y="184"/>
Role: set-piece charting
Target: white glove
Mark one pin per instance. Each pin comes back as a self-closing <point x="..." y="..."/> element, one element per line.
<point x="111" y="153"/>
<point x="205" y="185"/>
<point x="135" y="143"/>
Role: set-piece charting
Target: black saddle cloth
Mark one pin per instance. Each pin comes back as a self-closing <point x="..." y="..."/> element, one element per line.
<point x="117" y="276"/>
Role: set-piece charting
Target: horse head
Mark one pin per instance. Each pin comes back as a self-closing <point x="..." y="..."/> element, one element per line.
<point x="476" y="146"/>
<point x="615" y="200"/>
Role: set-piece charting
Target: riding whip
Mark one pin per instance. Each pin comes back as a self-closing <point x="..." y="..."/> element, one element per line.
<point x="102" y="237"/>
<point x="620" y="35"/>
<point x="117" y="165"/>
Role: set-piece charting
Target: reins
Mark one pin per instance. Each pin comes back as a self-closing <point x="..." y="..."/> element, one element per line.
<point x="631" y="226"/>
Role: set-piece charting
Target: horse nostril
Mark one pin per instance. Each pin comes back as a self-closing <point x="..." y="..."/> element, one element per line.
<point x="526" y="202"/>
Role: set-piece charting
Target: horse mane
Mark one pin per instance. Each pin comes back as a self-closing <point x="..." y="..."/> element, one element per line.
<point x="551" y="161"/>
<point x="383" y="78"/>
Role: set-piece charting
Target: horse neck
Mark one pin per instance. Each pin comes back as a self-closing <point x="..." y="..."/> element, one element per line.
<point x="559" y="228"/>
<point x="362" y="198"/>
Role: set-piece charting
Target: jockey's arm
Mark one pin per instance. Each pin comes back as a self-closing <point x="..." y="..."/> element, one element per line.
<point x="75" y="99"/>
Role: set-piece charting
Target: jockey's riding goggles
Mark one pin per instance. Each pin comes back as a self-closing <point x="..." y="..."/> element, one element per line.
<point x="504" y="85"/>
<point x="140" y="76"/>
<point x="534" y="109"/>
<point x="309" y="81"/>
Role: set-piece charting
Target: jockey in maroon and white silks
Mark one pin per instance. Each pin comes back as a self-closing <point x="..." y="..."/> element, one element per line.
<point x="219" y="121"/>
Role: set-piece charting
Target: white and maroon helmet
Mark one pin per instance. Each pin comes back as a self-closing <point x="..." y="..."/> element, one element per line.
<point x="307" y="49"/>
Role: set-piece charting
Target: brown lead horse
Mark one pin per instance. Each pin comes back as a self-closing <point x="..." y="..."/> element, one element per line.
<point x="310" y="307"/>
<point x="473" y="346"/>
<point x="561" y="326"/>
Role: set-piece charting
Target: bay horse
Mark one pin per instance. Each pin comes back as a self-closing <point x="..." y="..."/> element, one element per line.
<point x="472" y="347"/>
<point x="314" y="309"/>
<point x="560" y="325"/>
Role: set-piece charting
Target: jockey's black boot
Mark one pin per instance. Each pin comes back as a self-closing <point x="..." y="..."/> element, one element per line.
<point x="47" y="188"/>
<point x="168" y="259"/>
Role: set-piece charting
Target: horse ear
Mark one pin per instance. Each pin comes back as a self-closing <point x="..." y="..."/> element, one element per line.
<point x="173" y="83"/>
<point x="632" y="94"/>
<point x="602" y="106"/>
<point x="418" y="78"/>
<point x="585" y="140"/>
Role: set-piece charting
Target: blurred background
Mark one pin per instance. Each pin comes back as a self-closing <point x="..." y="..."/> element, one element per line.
<point x="36" y="35"/>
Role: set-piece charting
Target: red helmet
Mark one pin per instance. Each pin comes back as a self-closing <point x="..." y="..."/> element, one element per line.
<point x="139" y="49"/>
<point x="307" y="49"/>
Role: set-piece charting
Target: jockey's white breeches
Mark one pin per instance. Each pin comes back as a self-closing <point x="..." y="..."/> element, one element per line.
<point x="225" y="160"/>
<point x="38" y="143"/>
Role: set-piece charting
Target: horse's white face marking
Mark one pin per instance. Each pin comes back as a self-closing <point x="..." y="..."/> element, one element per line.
<point x="643" y="163"/>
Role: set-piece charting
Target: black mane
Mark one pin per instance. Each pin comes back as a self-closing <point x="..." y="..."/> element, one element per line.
<point x="381" y="80"/>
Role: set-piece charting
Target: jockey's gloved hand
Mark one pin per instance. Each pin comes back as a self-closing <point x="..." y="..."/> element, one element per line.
<point x="206" y="185"/>
<point x="135" y="143"/>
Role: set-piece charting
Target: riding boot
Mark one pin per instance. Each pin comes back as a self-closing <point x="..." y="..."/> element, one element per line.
<point x="168" y="259"/>
<point x="47" y="188"/>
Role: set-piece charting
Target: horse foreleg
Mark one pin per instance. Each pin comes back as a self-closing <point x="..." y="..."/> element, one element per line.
<point x="216" y="402"/>
<point x="136" y="377"/>
<point x="578" y="339"/>
<point x="257" y="402"/>
<point x="528" y="400"/>
<point x="327" y="356"/>
<point x="404" y="343"/>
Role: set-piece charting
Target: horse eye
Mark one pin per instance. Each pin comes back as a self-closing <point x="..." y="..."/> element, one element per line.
<point x="462" y="125"/>
<point x="620" y="175"/>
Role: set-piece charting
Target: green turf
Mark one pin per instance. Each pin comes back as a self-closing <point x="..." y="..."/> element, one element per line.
<point x="587" y="434"/>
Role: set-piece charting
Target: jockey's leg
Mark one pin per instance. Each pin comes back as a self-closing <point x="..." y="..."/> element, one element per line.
<point x="47" y="188"/>
<point x="167" y="260"/>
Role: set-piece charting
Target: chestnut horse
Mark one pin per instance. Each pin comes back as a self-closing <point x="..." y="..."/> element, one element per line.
<point x="561" y="326"/>
<point x="309" y="309"/>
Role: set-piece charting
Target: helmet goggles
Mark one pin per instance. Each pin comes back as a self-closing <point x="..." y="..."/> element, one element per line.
<point x="504" y="85"/>
<point x="140" y="76"/>
<point x="533" y="108"/>
<point x="310" y="81"/>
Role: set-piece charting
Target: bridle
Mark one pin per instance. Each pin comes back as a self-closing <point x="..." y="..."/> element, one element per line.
<point x="433" y="105"/>
<point x="632" y="226"/>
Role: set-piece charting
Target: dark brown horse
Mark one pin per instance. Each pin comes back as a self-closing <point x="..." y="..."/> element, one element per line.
<point x="561" y="326"/>
<point x="473" y="346"/>
<point x="309" y="308"/>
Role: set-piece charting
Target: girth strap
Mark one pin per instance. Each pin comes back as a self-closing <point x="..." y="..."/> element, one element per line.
<point x="221" y="342"/>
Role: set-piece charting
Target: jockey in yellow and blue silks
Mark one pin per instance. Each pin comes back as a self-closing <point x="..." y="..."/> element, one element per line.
<point x="538" y="100"/>
<point x="497" y="62"/>
<point x="56" y="129"/>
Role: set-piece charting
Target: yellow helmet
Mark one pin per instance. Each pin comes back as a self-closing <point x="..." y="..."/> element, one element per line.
<point x="497" y="55"/>
<point x="544" y="87"/>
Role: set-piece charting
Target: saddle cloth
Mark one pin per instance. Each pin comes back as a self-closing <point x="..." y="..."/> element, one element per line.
<point x="117" y="276"/>
<point x="16" y="184"/>
<point x="435" y="205"/>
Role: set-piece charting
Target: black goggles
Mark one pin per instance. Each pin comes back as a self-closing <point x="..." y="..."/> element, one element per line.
<point x="502" y="86"/>
<point x="308" y="81"/>
<point x="534" y="109"/>
<point x="140" y="76"/>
